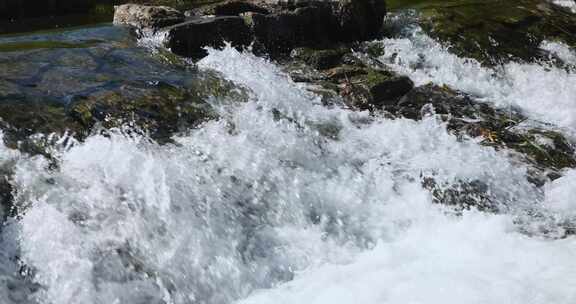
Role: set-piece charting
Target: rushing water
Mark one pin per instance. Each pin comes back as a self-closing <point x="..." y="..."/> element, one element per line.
<point x="284" y="200"/>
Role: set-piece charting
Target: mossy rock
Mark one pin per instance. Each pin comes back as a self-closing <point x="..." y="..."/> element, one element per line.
<point x="159" y="109"/>
<point x="374" y="49"/>
<point x="547" y="150"/>
<point x="162" y="110"/>
<point x="321" y="59"/>
<point x="495" y="31"/>
<point x="375" y="89"/>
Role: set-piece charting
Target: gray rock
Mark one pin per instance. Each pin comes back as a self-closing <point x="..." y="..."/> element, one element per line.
<point x="146" y="17"/>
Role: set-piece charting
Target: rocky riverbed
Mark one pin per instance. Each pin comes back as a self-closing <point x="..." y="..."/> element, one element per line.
<point x="237" y="151"/>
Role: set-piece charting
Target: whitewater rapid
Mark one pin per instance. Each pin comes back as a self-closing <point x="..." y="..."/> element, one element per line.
<point x="285" y="200"/>
<point x="544" y="92"/>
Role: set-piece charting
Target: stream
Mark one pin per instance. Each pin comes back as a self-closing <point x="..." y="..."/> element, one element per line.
<point x="282" y="199"/>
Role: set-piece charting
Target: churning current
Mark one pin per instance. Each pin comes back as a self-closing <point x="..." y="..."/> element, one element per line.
<point x="285" y="200"/>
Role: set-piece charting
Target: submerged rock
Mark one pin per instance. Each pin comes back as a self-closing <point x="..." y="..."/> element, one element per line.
<point x="548" y="150"/>
<point x="462" y="195"/>
<point x="146" y="17"/>
<point x="160" y="110"/>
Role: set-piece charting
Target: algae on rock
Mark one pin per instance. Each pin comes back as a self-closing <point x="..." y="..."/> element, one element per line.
<point x="495" y="31"/>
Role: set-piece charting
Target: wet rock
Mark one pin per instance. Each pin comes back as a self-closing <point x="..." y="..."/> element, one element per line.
<point x="188" y="39"/>
<point x="373" y="49"/>
<point x="496" y="32"/>
<point x="360" y="19"/>
<point x="309" y="23"/>
<point x="304" y="26"/>
<point x="462" y="195"/>
<point x="343" y="73"/>
<point x="6" y="196"/>
<point x="161" y="110"/>
<point x="21" y="118"/>
<point x="547" y="150"/>
<point x="146" y="17"/>
<point x="276" y="27"/>
<point x="443" y="100"/>
<point x="359" y="85"/>
<point x="374" y="89"/>
<point x="320" y="59"/>
<point x="236" y="8"/>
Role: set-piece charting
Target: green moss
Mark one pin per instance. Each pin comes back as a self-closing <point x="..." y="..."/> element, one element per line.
<point x="375" y="49"/>
<point x="321" y="59"/>
<point x="559" y="155"/>
<point x="374" y="77"/>
<point x="495" y="31"/>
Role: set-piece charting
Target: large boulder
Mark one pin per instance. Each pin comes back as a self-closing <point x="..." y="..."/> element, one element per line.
<point x="146" y="17"/>
<point x="276" y="26"/>
<point x="360" y="19"/>
<point x="317" y="23"/>
<point x="304" y="26"/>
<point x="189" y="38"/>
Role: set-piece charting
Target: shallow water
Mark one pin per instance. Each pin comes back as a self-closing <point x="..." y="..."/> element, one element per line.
<point x="284" y="200"/>
<point x="62" y="65"/>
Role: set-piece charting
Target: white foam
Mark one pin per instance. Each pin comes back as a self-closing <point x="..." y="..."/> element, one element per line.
<point x="261" y="197"/>
<point x="561" y="194"/>
<point x="544" y="93"/>
<point x="563" y="51"/>
<point x="570" y="4"/>
<point x="473" y="259"/>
